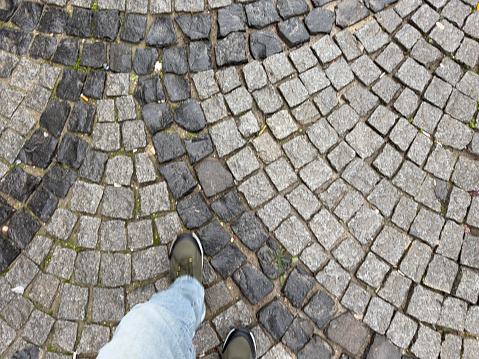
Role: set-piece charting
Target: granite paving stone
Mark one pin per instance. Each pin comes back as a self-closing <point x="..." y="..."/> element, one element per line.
<point x="256" y="190"/>
<point x="441" y="163"/>
<point x="451" y="346"/>
<point x="339" y="74"/>
<point x="446" y="36"/>
<point x="349" y="253"/>
<point x="167" y="227"/>
<point x="177" y="87"/>
<point x="268" y="99"/>
<point x="149" y="263"/>
<point x="293" y="235"/>
<point x="248" y="124"/>
<point x="205" y="84"/>
<point x="395" y="289"/>
<point x="314" y="257"/>
<point x="386" y="88"/>
<point x="428" y="343"/>
<point x="87" y="267"/>
<point x="409" y="178"/>
<point x="378" y="315"/>
<point x="425" y="305"/>
<point x="118" y="202"/>
<point x="326" y="228"/>
<point x="388" y="161"/>
<point x="277" y="67"/>
<point x="361" y="176"/>
<point x="341" y="155"/>
<point x="427" y="226"/>
<point x="372" y="270"/>
<point x="388" y="19"/>
<point x="303" y="58"/>
<point x="356" y="298"/>
<point x="425" y="53"/>
<point x="253" y="283"/>
<point x="470" y="348"/>
<point x="198" y="147"/>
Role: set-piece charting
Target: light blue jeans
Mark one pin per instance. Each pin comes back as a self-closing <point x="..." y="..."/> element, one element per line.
<point x="163" y="327"/>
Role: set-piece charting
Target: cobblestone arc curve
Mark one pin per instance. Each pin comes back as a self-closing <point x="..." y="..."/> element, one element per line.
<point x="325" y="152"/>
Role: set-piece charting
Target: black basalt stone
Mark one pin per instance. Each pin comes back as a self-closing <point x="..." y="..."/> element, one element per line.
<point x="94" y="55"/>
<point x="149" y="90"/>
<point x="43" y="47"/>
<point x="254" y="285"/>
<point x="177" y="87"/>
<point x="5" y="210"/>
<point x="72" y="151"/>
<point x="189" y="116"/>
<point x="293" y="32"/>
<point x="7" y="66"/>
<point x="7" y="9"/>
<point x="228" y="207"/>
<point x="298" y="334"/>
<point x="71" y="85"/>
<point x="321" y="309"/>
<point x="349" y="12"/>
<point x="80" y="23"/>
<point x="231" y="50"/>
<point x="231" y="19"/>
<point x="120" y="58"/>
<point x="95" y="84"/>
<point x="39" y="150"/>
<point x="106" y="24"/>
<point x="157" y="117"/>
<point x="316" y="348"/>
<point x="54" y="117"/>
<point x="382" y="348"/>
<point x="43" y="203"/>
<point x="19" y="184"/>
<point x="228" y="260"/>
<point x="28" y="15"/>
<point x="319" y="21"/>
<point x="67" y="52"/>
<point x="266" y="256"/>
<point x="250" y="231"/>
<point x="179" y="179"/>
<point x="297" y="286"/>
<point x="276" y="318"/>
<point x="198" y="147"/>
<point x="378" y="5"/>
<point x="213" y="237"/>
<point x="162" y="33"/>
<point x="144" y="61"/>
<point x="133" y="28"/>
<point x="8" y="253"/>
<point x="22" y="227"/>
<point x="213" y="177"/>
<point x="263" y="44"/>
<point x="93" y="166"/>
<point x="53" y="21"/>
<point x="199" y="57"/>
<point x="261" y="14"/>
<point x="174" y="60"/>
<point x="290" y="8"/>
<point x="195" y="27"/>
<point x="82" y="117"/>
<point x="30" y="352"/>
<point x="15" y="41"/>
<point x="58" y="180"/>
<point x="194" y="211"/>
<point x="168" y="146"/>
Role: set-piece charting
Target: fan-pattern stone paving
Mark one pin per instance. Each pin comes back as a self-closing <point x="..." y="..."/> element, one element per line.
<point x="339" y="134"/>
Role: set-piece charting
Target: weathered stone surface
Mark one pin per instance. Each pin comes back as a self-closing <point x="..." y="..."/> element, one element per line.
<point x="349" y="12"/>
<point x="276" y="318"/>
<point x="162" y="33"/>
<point x="253" y="283"/>
<point x="213" y="177"/>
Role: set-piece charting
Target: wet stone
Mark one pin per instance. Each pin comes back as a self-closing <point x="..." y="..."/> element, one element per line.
<point x="228" y="260"/>
<point x="19" y="185"/>
<point x="39" y="150"/>
<point x="133" y="28"/>
<point x="228" y="206"/>
<point x="253" y="283"/>
<point x="231" y="50"/>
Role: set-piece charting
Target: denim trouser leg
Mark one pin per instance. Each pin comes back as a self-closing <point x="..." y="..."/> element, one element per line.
<point x="163" y="327"/>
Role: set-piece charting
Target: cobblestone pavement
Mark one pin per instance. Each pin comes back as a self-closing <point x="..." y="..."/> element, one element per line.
<point x="324" y="152"/>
